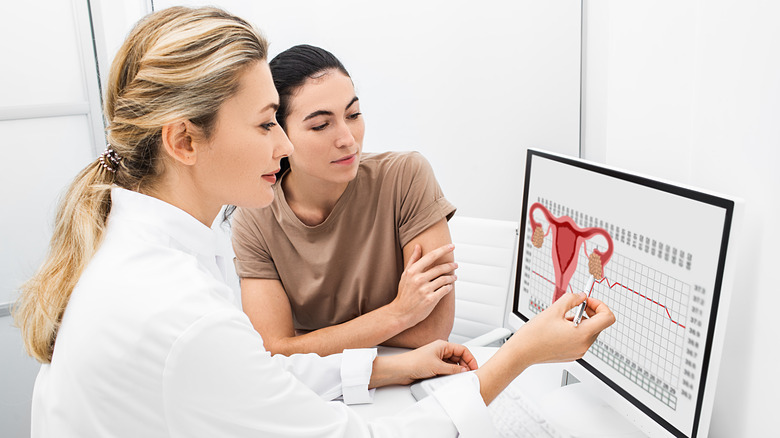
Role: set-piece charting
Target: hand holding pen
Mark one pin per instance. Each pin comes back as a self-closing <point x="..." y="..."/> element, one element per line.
<point x="581" y="308"/>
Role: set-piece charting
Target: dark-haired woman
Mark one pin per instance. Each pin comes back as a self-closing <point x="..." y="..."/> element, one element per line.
<point x="355" y="250"/>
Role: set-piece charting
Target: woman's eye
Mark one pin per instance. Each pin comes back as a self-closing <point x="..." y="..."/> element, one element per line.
<point x="268" y="126"/>
<point x="320" y="127"/>
<point x="354" y="116"/>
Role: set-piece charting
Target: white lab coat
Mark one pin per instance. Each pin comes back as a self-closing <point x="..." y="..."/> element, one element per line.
<point x="153" y="344"/>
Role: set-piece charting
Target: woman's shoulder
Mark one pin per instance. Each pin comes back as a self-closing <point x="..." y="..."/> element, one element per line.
<point x="390" y="158"/>
<point x="150" y="266"/>
<point x="152" y="280"/>
<point x="393" y="163"/>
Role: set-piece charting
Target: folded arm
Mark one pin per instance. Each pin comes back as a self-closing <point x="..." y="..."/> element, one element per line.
<point x="422" y="312"/>
<point x="438" y="324"/>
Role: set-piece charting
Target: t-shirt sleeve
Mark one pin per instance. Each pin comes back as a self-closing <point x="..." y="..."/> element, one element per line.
<point x="422" y="202"/>
<point x="253" y="258"/>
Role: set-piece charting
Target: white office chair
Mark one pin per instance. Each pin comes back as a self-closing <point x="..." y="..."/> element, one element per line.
<point x="484" y="251"/>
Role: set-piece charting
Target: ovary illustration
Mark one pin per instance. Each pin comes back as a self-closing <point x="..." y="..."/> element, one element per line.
<point x="567" y="238"/>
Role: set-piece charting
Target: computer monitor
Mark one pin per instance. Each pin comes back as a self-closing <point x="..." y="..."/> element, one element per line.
<point x="666" y="278"/>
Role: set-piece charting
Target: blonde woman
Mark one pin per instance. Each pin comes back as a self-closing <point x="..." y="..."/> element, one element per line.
<point x="138" y="333"/>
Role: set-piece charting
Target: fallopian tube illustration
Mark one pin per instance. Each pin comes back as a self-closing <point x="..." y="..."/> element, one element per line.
<point x="567" y="238"/>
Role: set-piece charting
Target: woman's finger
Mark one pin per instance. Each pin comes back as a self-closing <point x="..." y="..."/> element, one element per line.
<point x="445" y="368"/>
<point x="567" y="302"/>
<point x="439" y="270"/>
<point x="416" y="253"/>
<point x="462" y="353"/>
<point x="429" y="259"/>
<point x="442" y="281"/>
<point x="439" y="293"/>
<point x="600" y="317"/>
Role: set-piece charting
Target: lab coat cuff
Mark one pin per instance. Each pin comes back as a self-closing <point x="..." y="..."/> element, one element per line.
<point x="356" y="366"/>
<point x="463" y="403"/>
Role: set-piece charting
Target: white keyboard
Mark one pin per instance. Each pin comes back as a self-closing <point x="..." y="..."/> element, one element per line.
<point x="513" y="414"/>
<point x="517" y="417"/>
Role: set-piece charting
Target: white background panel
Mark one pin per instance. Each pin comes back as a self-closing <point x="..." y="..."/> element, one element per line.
<point x="47" y="155"/>
<point x="40" y="45"/>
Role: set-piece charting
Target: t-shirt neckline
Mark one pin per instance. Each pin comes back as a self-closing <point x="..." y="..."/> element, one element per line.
<point x="334" y="214"/>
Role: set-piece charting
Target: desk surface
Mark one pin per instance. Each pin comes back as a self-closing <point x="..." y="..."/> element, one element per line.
<point x="390" y="400"/>
<point x="571" y="407"/>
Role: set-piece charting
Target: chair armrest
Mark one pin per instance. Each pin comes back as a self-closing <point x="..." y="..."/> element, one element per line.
<point x="498" y="334"/>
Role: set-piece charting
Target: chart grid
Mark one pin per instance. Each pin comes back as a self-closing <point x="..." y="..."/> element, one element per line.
<point x="647" y="304"/>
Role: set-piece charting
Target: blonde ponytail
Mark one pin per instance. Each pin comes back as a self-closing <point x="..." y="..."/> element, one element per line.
<point x="78" y="229"/>
<point x="178" y="63"/>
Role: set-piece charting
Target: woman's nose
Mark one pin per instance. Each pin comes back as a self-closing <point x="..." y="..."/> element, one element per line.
<point x="284" y="146"/>
<point x="345" y="137"/>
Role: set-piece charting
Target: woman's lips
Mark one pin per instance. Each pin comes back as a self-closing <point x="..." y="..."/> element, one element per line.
<point x="349" y="159"/>
<point x="271" y="177"/>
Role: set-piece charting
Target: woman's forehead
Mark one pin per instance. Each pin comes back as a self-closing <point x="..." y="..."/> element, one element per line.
<point x="331" y="91"/>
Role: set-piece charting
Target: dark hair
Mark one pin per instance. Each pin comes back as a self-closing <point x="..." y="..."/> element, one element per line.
<point x="290" y="69"/>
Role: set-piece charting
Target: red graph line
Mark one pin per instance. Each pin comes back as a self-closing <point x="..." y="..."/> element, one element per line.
<point x="624" y="287"/>
<point x="552" y="282"/>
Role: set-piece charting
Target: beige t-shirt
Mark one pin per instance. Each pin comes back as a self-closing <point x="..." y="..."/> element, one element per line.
<point x="351" y="263"/>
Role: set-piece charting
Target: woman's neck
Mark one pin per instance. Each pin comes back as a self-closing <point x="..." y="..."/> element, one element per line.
<point x="311" y="199"/>
<point x="179" y="190"/>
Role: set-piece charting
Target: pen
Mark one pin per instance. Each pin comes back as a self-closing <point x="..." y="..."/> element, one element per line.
<point x="581" y="309"/>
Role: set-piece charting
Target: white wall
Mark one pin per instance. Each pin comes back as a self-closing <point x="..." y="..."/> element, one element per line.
<point x="112" y="21"/>
<point x="689" y="90"/>
<point x="469" y="84"/>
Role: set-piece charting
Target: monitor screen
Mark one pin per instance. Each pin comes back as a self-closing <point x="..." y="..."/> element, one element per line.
<point x="655" y="253"/>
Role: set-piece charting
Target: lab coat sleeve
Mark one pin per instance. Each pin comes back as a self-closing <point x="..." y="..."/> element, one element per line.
<point x="455" y="409"/>
<point x="337" y="375"/>
<point x="218" y="381"/>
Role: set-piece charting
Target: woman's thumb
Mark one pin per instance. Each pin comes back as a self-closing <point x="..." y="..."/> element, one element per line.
<point x="449" y="368"/>
<point x="570" y="300"/>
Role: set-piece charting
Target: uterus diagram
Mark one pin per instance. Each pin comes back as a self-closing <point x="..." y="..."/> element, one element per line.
<point x="567" y="238"/>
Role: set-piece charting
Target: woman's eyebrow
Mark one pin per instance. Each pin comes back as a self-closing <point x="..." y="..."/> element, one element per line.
<point x="318" y="113"/>
<point x="328" y="113"/>
<point x="271" y="106"/>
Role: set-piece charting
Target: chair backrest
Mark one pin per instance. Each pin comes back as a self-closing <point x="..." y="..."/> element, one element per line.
<point x="484" y="251"/>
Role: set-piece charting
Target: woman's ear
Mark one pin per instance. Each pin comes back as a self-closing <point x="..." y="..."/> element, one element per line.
<point x="177" y="140"/>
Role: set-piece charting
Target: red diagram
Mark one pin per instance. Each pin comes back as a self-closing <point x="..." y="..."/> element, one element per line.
<point x="611" y="286"/>
<point x="567" y="239"/>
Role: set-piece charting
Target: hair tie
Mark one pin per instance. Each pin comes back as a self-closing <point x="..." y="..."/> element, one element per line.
<point x="109" y="159"/>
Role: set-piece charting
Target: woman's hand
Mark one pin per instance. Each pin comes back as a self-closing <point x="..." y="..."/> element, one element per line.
<point x="435" y="359"/>
<point x="423" y="284"/>
<point x="550" y="336"/>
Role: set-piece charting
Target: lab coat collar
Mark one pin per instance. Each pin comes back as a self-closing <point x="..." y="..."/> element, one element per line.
<point x="127" y="205"/>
